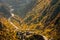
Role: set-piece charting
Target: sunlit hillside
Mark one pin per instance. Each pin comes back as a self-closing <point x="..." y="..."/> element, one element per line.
<point x="40" y="23"/>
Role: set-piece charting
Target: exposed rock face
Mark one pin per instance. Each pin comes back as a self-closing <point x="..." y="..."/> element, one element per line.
<point x="36" y="37"/>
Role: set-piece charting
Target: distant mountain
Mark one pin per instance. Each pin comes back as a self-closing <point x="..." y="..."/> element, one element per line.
<point x="21" y="6"/>
<point x="4" y="10"/>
